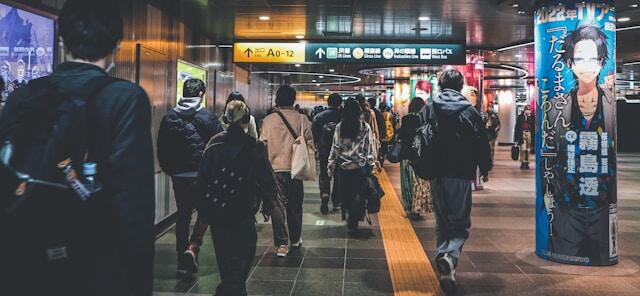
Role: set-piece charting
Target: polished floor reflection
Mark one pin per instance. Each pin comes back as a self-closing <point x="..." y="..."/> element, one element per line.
<point x="498" y="259"/>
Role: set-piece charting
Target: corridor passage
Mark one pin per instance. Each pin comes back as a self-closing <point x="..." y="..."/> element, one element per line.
<point x="498" y="258"/>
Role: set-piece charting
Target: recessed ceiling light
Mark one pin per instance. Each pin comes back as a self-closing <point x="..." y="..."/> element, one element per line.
<point x="320" y="76"/>
<point x="332" y="70"/>
<point x="317" y="84"/>
<point x="298" y="65"/>
<point x="624" y="19"/>
<point x="518" y="56"/>
<point x="300" y="36"/>
<point x="424" y="18"/>
<point x="521" y="12"/>
<point x="515" y="5"/>
<point x="264" y="18"/>
<point x="633" y="5"/>
<point x="314" y="81"/>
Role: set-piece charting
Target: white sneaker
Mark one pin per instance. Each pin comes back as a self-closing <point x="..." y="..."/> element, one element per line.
<point x="297" y="245"/>
<point x="282" y="251"/>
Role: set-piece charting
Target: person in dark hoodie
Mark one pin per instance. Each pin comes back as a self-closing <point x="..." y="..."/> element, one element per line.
<point x="234" y="178"/>
<point x="116" y="233"/>
<point x="460" y="147"/>
<point x="323" y="127"/>
<point x="182" y="138"/>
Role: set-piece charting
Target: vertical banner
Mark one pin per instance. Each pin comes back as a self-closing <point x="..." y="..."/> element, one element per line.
<point x="576" y="194"/>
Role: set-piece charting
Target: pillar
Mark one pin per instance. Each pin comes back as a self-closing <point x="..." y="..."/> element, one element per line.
<point x="576" y="176"/>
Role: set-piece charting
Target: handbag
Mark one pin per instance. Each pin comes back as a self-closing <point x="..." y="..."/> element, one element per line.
<point x="395" y="155"/>
<point x="303" y="162"/>
<point x="515" y="152"/>
<point x="375" y="193"/>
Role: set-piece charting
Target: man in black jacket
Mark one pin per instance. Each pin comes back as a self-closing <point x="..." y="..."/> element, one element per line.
<point x="460" y="147"/>
<point x="323" y="125"/>
<point x="182" y="138"/>
<point x="119" y="236"/>
<point x="524" y="134"/>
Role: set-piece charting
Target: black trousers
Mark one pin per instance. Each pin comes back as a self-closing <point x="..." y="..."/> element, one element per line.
<point x="235" y="248"/>
<point x="582" y="232"/>
<point x="185" y="192"/>
<point x="384" y="150"/>
<point x="352" y="185"/>
<point x="325" y="180"/>
<point x="286" y="219"/>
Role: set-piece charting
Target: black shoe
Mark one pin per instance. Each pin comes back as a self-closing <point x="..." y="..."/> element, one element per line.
<point x="324" y="207"/>
<point x="336" y="206"/>
<point x="447" y="272"/>
<point x="526" y="166"/>
<point x="522" y="166"/>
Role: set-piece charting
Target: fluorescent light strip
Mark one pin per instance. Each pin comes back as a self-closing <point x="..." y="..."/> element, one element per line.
<point x="353" y="78"/>
<point x="515" y="46"/>
<point x="210" y="46"/>
<point x="628" y="28"/>
<point x="631" y="63"/>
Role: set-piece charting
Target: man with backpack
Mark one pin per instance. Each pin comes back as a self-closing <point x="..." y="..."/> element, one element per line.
<point x="280" y="130"/>
<point x="83" y="222"/>
<point x="323" y="128"/>
<point x="182" y="138"/>
<point x="457" y="147"/>
<point x="234" y="178"/>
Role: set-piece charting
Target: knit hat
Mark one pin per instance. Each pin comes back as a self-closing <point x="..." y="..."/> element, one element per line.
<point x="236" y="111"/>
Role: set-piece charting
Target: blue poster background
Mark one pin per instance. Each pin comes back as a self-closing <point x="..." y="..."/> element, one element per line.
<point x="26" y="47"/>
<point x="557" y="211"/>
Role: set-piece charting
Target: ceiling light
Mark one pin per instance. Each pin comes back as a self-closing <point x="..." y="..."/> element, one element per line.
<point x="320" y="76"/>
<point x="521" y="12"/>
<point x="314" y="80"/>
<point x="264" y="18"/>
<point x="317" y="84"/>
<point x="327" y="89"/>
<point x="624" y="19"/>
<point x="515" y="5"/>
<point x="300" y="36"/>
<point x="332" y="70"/>
<point x="633" y="5"/>
<point x="424" y="18"/>
<point x="518" y="56"/>
<point x="298" y="65"/>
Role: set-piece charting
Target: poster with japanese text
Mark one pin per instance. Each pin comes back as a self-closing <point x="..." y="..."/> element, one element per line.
<point x="576" y="200"/>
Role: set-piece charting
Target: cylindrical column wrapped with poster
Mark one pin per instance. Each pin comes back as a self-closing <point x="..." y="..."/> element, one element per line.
<point x="576" y="194"/>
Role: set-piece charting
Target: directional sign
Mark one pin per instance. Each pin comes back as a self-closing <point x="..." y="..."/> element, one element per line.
<point x="350" y="53"/>
<point x="259" y="52"/>
<point x="369" y="53"/>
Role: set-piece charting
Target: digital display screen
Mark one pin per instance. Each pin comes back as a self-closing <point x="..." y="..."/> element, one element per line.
<point x="26" y="47"/>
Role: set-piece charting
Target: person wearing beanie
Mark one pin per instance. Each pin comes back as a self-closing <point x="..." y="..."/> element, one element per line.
<point x="234" y="179"/>
<point x="182" y="138"/>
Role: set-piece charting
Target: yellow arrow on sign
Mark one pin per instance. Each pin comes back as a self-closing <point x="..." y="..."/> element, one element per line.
<point x="268" y="52"/>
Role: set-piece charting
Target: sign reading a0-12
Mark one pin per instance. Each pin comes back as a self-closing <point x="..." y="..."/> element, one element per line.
<point x="352" y="53"/>
<point x="263" y="52"/>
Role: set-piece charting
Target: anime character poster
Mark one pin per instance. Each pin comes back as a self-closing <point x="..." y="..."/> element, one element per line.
<point x="576" y="164"/>
<point x="424" y="86"/>
<point x="26" y="47"/>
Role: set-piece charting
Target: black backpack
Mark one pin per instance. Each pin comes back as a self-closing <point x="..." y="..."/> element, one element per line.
<point x="421" y="152"/>
<point x="224" y="178"/>
<point x="40" y="133"/>
<point x="41" y="216"/>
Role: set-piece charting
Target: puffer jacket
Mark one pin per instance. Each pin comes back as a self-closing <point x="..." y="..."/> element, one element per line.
<point x="183" y="138"/>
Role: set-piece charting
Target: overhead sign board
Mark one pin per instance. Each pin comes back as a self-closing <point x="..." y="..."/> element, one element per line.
<point x="368" y="53"/>
<point x="350" y="53"/>
<point x="263" y="52"/>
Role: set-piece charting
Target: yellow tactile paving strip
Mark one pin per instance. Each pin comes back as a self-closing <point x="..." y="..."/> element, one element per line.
<point x="410" y="270"/>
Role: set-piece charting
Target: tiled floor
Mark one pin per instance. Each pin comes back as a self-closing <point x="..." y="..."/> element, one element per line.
<point x="329" y="263"/>
<point x="498" y="258"/>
